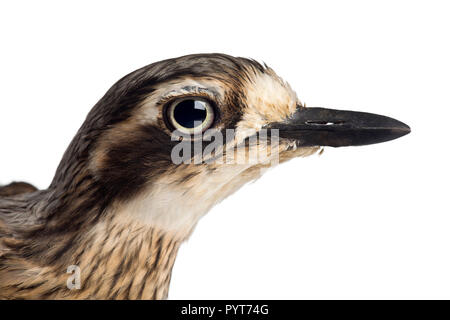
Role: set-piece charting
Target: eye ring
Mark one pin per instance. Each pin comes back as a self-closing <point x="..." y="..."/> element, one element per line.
<point x="190" y="115"/>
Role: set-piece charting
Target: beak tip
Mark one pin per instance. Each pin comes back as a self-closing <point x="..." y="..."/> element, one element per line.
<point x="407" y="129"/>
<point x="403" y="129"/>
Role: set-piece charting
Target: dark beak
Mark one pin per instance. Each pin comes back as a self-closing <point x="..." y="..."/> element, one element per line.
<point x="338" y="128"/>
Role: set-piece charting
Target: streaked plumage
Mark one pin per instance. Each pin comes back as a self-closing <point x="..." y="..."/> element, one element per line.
<point x="118" y="207"/>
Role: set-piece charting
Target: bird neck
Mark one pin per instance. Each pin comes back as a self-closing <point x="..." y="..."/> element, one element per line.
<point x="111" y="260"/>
<point x="126" y="261"/>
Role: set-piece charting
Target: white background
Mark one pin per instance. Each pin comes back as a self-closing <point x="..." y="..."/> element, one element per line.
<point x="368" y="222"/>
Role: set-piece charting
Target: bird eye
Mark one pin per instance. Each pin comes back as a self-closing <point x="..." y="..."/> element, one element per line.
<point x="191" y="115"/>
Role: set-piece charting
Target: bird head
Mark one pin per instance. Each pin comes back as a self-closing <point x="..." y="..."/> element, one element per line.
<point x="170" y="140"/>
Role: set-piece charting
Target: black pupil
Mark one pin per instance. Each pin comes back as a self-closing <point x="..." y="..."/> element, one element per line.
<point x="190" y="113"/>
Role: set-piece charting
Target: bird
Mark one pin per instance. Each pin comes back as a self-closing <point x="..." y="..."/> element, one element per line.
<point x="124" y="197"/>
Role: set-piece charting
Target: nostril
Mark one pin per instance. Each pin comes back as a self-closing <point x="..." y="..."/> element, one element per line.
<point x="316" y="122"/>
<point x="324" y="123"/>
